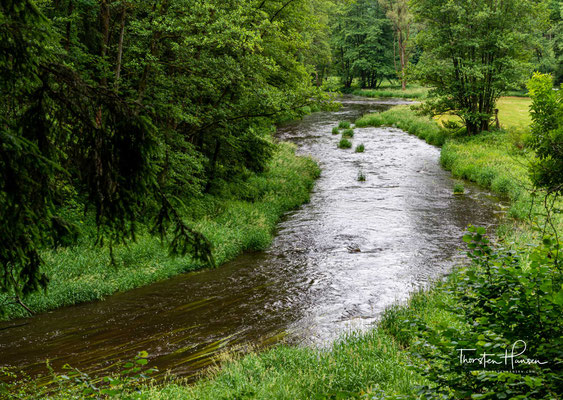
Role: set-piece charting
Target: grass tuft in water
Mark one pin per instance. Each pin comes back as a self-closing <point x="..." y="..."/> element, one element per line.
<point x="360" y="148"/>
<point x="335" y="130"/>
<point x="344" y="144"/>
<point x="459" y="188"/>
<point x="361" y="176"/>
<point x="344" y="124"/>
<point x="348" y="133"/>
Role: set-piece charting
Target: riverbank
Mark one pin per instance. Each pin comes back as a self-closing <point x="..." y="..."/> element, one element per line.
<point x="242" y="217"/>
<point x="412" y="352"/>
<point x="411" y="92"/>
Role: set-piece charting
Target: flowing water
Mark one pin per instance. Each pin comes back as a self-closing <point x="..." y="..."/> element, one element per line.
<point x="334" y="265"/>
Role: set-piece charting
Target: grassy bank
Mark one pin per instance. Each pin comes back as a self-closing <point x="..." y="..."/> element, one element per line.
<point x="242" y="217"/>
<point x="411" y="92"/>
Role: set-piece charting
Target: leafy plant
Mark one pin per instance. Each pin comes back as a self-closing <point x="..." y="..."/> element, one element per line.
<point x="547" y="134"/>
<point x="509" y="297"/>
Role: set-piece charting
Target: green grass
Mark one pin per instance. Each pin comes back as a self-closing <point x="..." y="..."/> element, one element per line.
<point x="411" y="92"/>
<point x="335" y="130"/>
<point x="344" y="124"/>
<point x="344" y="144"/>
<point x="361" y="176"/>
<point x="348" y="133"/>
<point x="357" y="365"/>
<point x="83" y="273"/>
<point x="360" y="148"/>
<point x="459" y="188"/>
<point x="514" y="113"/>
<point x="406" y="119"/>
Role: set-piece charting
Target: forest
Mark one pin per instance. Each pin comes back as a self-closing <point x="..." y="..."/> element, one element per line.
<point x="144" y="140"/>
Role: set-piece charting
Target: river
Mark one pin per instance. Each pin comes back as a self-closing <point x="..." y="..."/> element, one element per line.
<point x="334" y="265"/>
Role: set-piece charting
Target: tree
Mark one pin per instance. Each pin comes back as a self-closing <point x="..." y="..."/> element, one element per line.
<point x="473" y="52"/>
<point x="362" y="42"/>
<point x="137" y="108"/>
<point x="556" y="36"/>
<point x="399" y="14"/>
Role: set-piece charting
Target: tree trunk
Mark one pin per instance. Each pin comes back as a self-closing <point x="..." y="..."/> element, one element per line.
<point x="104" y="20"/>
<point x="69" y="25"/>
<point x="213" y="166"/>
<point x="120" y="46"/>
<point x="403" y="60"/>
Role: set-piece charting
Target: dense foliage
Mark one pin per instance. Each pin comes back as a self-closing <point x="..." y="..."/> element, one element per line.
<point x="547" y="134"/>
<point x="362" y="39"/>
<point x="503" y="311"/>
<point x="473" y="52"/>
<point x="132" y="109"/>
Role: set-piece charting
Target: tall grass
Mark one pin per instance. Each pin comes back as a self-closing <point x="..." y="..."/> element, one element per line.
<point x="344" y="125"/>
<point x="407" y="120"/>
<point x="359" y="364"/>
<point x="412" y="92"/>
<point x="242" y="218"/>
<point x="344" y="144"/>
<point x="348" y="133"/>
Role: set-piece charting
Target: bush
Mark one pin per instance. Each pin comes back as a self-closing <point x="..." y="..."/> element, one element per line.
<point x="547" y="134"/>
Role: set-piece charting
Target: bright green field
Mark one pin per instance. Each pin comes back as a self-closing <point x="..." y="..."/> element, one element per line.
<point x="514" y="112"/>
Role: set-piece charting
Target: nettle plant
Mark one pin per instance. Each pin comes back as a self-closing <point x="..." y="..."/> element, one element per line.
<point x="131" y="374"/>
<point x="75" y="383"/>
<point x="511" y="299"/>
